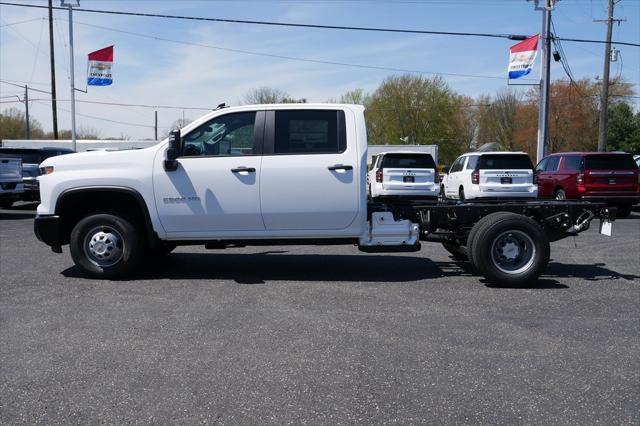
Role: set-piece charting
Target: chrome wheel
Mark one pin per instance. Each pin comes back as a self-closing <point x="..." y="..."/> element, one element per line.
<point x="560" y="195"/>
<point x="103" y="246"/>
<point x="513" y="252"/>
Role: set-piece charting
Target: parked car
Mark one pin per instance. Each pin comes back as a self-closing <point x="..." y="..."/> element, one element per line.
<point x="490" y="175"/>
<point x="11" y="187"/>
<point x="637" y="160"/>
<point x="31" y="159"/>
<point x="403" y="173"/>
<point x="611" y="177"/>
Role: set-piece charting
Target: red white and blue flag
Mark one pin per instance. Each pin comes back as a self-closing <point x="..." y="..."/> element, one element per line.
<point x="522" y="56"/>
<point x="100" y="65"/>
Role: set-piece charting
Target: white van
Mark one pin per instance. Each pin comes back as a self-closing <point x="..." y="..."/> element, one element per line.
<point x="491" y="175"/>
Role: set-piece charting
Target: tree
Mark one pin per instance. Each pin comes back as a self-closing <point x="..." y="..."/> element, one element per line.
<point x="573" y="115"/>
<point x="497" y="119"/>
<point x="12" y="125"/>
<point x="356" y="96"/>
<point x="417" y="110"/>
<point x="623" y="130"/>
<point x="270" y="95"/>
<point x="178" y="124"/>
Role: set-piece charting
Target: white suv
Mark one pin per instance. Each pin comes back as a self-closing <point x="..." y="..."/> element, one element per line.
<point x="490" y="175"/>
<point x="403" y="173"/>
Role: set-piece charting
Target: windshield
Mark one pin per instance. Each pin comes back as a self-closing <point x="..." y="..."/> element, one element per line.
<point x="505" y="161"/>
<point x="408" y="161"/>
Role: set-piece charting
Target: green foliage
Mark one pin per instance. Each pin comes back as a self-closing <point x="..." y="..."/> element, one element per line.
<point x="12" y="125"/>
<point x="623" y="129"/>
<point x="416" y="110"/>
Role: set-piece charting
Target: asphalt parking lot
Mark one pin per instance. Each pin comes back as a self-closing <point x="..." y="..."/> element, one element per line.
<point x="319" y="335"/>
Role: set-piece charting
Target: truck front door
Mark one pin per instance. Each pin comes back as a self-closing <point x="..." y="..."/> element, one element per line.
<point x="310" y="174"/>
<point x="215" y="189"/>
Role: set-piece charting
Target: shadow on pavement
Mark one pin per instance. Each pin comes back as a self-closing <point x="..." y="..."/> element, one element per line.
<point x="258" y="268"/>
<point x="15" y="215"/>
<point x="595" y="272"/>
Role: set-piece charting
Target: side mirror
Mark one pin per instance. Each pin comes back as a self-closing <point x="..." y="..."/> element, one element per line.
<point x="173" y="151"/>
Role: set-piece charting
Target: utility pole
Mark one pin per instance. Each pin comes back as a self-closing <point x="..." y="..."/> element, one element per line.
<point x="26" y="112"/>
<point x="54" y="109"/>
<point x="604" y="94"/>
<point x="155" y="126"/>
<point x="70" y="4"/>
<point x="545" y="71"/>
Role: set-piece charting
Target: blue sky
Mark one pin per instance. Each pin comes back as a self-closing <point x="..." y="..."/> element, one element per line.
<point x="157" y="72"/>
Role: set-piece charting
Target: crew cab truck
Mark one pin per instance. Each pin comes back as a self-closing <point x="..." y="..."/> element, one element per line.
<point x="276" y="175"/>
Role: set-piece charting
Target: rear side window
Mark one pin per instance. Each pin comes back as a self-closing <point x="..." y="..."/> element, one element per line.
<point x="572" y="162"/>
<point x="505" y="161"/>
<point x="609" y="162"/>
<point x="408" y="161"/>
<point x="472" y="163"/>
<point x="309" y="132"/>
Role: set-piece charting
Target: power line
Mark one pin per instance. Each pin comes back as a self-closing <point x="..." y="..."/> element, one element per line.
<point x="291" y="58"/>
<point x="316" y="26"/>
<point x="280" y="24"/>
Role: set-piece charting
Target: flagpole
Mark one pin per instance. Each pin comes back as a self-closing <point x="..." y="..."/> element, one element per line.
<point x="545" y="60"/>
<point x="72" y="78"/>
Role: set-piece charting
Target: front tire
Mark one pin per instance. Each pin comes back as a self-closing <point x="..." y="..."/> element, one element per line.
<point x="510" y="249"/>
<point x="106" y="246"/>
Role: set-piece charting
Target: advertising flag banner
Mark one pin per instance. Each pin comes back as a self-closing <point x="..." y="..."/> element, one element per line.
<point x="100" y="64"/>
<point x="522" y="56"/>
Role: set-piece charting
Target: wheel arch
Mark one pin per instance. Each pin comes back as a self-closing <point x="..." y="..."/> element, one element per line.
<point x="75" y="203"/>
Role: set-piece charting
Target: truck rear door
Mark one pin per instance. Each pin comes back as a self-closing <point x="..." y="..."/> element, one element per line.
<point x="309" y="178"/>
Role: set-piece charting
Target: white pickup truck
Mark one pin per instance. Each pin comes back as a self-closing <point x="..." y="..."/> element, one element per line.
<point x="276" y="175"/>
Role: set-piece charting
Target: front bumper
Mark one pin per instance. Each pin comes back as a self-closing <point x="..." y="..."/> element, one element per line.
<point x="47" y="230"/>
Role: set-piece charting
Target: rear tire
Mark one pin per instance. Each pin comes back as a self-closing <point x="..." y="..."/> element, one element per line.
<point x="471" y="239"/>
<point x="560" y="194"/>
<point x="458" y="252"/>
<point x="510" y="249"/>
<point x="106" y="246"/>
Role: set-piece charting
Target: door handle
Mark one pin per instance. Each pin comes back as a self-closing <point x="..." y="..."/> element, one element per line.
<point x="244" y="169"/>
<point x="340" y="167"/>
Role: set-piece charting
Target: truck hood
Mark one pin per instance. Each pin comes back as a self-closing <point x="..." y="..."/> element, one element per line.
<point x="98" y="159"/>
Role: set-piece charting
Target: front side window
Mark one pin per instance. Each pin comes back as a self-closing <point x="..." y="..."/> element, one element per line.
<point x="308" y="132"/>
<point x="552" y="164"/>
<point x="540" y="167"/>
<point x="454" y="167"/>
<point x="227" y="135"/>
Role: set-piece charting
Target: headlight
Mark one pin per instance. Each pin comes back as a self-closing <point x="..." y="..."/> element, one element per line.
<point x="46" y="170"/>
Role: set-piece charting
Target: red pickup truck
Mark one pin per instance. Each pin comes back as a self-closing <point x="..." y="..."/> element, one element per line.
<point x="610" y="177"/>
